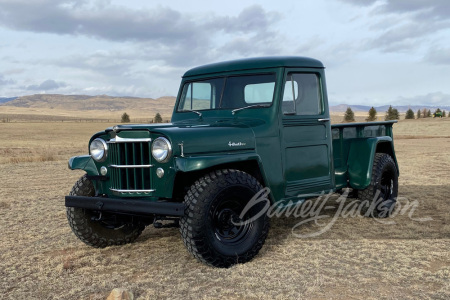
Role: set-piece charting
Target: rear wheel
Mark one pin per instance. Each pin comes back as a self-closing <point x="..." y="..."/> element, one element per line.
<point x="380" y="197"/>
<point x="99" y="229"/>
<point x="212" y="228"/>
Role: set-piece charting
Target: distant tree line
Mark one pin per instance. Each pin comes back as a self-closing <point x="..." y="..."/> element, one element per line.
<point x="393" y="114"/>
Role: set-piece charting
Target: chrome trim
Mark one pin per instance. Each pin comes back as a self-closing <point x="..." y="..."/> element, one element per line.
<point x="169" y="153"/>
<point x="181" y="148"/>
<point x="161" y="172"/>
<point x="105" y="153"/>
<point x="118" y="139"/>
<point x="131" y="166"/>
<point x="323" y="120"/>
<point x="132" y="191"/>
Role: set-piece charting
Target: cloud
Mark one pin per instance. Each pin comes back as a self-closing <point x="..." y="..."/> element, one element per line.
<point x="439" y="56"/>
<point x="360" y="2"/>
<point x="104" y="62"/>
<point x="256" y="45"/>
<point x="106" y="22"/>
<point x="405" y="25"/>
<point x="432" y="99"/>
<point x="4" y="81"/>
<point x="116" y="23"/>
<point x="166" y="35"/>
<point x="46" y="86"/>
<point x="252" y="19"/>
<point x="431" y="10"/>
<point x="403" y="37"/>
<point x="436" y="9"/>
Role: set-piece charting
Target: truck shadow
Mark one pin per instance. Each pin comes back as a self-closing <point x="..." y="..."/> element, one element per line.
<point x="422" y="212"/>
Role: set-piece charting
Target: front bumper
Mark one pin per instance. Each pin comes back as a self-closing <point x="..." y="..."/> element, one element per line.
<point x="127" y="206"/>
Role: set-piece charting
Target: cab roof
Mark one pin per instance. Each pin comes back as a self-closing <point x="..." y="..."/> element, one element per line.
<point x="255" y="63"/>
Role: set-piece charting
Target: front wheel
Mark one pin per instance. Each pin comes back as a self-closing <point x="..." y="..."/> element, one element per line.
<point x="380" y="197"/>
<point x="99" y="230"/>
<point x="214" y="229"/>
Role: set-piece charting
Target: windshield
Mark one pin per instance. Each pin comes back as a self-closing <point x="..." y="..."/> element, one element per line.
<point x="228" y="92"/>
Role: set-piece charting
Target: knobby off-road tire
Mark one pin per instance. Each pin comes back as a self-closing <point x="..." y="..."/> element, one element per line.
<point x="380" y="197"/>
<point x="210" y="228"/>
<point x="96" y="233"/>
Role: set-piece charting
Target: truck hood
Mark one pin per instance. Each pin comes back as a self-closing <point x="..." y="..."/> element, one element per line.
<point x="203" y="136"/>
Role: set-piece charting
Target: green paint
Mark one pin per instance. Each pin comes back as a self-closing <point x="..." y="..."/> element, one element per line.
<point x="292" y="142"/>
<point x="85" y="163"/>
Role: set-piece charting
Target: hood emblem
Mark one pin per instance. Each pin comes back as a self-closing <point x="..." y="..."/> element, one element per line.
<point x="234" y="144"/>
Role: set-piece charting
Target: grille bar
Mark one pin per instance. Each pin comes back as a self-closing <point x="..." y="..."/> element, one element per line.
<point x="132" y="191"/>
<point x="125" y="140"/>
<point x="130" y="165"/>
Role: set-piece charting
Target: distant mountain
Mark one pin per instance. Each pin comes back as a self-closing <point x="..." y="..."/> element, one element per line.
<point x="164" y="105"/>
<point x="383" y="108"/>
<point x="5" y="99"/>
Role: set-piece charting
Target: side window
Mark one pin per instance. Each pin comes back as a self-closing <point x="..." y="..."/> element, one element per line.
<point x="302" y="95"/>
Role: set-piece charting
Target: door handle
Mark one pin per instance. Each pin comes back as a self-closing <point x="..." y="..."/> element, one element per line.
<point x="324" y="120"/>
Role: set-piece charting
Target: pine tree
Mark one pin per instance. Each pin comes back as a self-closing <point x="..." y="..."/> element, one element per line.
<point x="125" y="118"/>
<point x="392" y="114"/>
<point x="158" y="118"/>
<point x="409" y="114"/>
<point x="429" y="114"/>
<point x="396" y="114"/>
<point x="418" y="114"/>
<point x="372" y="114"/>
<point x="349" y="115"/>
<point x="388" y="115"/>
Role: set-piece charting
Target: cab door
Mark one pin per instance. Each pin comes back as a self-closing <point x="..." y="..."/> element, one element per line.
<point x="306" y="129"/>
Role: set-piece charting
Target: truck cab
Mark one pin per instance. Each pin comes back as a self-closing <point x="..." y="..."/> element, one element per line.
<point x="238" y="128"/>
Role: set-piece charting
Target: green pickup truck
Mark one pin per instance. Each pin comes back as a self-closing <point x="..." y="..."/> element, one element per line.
<point x="238" y="128"/>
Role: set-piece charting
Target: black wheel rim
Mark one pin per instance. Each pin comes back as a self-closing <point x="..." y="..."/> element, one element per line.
<point x="228" y="228"/>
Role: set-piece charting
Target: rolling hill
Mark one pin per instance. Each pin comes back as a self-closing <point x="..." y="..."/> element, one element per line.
<point x="6" y="99"/>
<point x="102" y="102"/>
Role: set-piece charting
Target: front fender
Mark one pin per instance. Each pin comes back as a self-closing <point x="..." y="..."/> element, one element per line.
<point x="85" y="163"/>
<point x="361" y="158"/>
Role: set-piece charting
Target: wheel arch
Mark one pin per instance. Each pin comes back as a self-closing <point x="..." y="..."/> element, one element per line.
<point x="361" y="158"/>
<point x="388" y="148"/>
<point x="184" y="178"/>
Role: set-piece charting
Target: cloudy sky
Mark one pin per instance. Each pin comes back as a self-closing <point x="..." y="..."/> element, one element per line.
<point x="375" y="51"/>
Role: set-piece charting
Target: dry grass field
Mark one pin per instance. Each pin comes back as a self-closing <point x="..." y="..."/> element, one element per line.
<point x="357" y="258"/>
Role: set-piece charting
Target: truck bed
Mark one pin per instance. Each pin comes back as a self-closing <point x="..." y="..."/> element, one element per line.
<point x="349" y="140"/>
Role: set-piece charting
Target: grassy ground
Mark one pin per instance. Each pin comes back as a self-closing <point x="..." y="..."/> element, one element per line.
<point x="357" y="258"/>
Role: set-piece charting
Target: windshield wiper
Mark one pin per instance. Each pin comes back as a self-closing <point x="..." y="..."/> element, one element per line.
<point x="250" y="106"/>
<point x="194" y="111"/>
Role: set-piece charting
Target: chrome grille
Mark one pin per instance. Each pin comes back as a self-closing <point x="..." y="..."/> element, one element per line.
<point x="130" y="168"/>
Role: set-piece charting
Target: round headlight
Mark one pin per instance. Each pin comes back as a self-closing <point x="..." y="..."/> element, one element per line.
<point x="98" y="149"/>
<point x="161" y="149"/>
